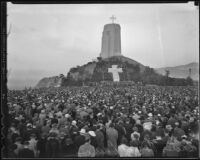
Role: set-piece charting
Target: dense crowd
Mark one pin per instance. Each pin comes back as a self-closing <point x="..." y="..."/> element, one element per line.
<point x="103" y="121"/>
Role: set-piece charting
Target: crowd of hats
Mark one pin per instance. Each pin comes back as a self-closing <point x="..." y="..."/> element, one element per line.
<point x="87" y="108"/>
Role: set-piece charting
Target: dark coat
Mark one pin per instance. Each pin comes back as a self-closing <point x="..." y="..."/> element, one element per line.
<point x="26" y="153"/>
<point x="100" y="139"/>
<point x="52" y="147"/>
<point x="78" y="141"/>
<point x="41" y="145"/>
<point x="159" y="145"/>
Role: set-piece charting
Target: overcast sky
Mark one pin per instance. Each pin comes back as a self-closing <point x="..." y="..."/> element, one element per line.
<point x="47" y="40"/>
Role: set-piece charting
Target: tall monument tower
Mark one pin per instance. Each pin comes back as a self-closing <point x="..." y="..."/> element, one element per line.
<point x="111" y="40"/>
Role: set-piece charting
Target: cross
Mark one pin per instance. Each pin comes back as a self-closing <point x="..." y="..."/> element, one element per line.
<point x="113" y="18"/>
<point x="115" y="72"/>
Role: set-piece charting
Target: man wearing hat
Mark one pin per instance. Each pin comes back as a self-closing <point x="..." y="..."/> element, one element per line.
<point x="93" y="138"/>
<point x="28" y="131"/>
<point x="86" y="150"/>
<point x="79" y="139"/>
<point x="73" y="129"/>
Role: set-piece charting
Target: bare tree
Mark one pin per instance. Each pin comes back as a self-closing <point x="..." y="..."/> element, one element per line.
<point x="190" y="70"/>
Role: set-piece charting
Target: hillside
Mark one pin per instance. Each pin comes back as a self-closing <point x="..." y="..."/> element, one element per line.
<point x="46" y="82"/>
<point x="98" y="70"/>
<point x="181" y="71"/>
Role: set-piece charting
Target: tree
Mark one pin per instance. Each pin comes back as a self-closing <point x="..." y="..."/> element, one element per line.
<point x="189" y="81"/>
<point x="99" y="59"/>
<point x="167" y="72"/>
<point x="190" y="70"/>
<point x="61" y="75"/>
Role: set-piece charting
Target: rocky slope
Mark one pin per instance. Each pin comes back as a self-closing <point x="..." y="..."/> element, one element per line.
<point x="46" y="82"/>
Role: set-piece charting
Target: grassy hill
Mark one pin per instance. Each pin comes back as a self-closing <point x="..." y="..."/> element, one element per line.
<point x="181" y="71"/>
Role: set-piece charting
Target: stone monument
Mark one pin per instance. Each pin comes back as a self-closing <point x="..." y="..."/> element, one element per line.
<point x="111" y="40"/>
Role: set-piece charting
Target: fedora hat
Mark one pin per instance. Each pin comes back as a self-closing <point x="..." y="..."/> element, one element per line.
<point x="82" y="131"/>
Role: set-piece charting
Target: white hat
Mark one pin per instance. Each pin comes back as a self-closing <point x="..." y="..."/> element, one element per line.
<point x="99" y="114"/>
<point x="176" y="123"/>
<point x="159" y="115"/>
<point x="29" y="124"/>
<point x="150" y="114"/>
<point x="67" y="115"/>
<point x="17" y="118"/>
<point x="139" y="112"/>
<point x="158" y="137"/>
<point x="74" y="122"/>
<point x="82" y="131"/>
<point x="92" y="133"/>
<point x="111" y="107"/>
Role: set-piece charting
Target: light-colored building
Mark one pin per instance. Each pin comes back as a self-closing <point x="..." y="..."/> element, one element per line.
<point x="111" y="41"/>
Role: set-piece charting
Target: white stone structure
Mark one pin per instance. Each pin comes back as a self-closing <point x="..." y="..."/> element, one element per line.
<point x="111" y="40"/>
<point x="115" y="72"/>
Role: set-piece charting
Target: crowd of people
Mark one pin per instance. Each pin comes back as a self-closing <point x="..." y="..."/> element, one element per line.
<point x="103" y="121"/>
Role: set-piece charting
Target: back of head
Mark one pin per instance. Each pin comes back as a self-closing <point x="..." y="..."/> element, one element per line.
<point x="124" y="141"/>
<point x="26" y="143"/>
<point x="111" y="125"/>
<point x="134" y="143"/>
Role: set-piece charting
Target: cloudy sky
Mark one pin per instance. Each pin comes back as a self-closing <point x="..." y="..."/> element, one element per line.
<point x="47" y="40"/>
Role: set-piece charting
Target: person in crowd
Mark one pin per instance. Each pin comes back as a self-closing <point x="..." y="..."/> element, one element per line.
<point x="11" y="150"/>
<point x="79" y="139"/>
<point x="123" y="149"/>
<point x="93" y="138"/>
<point x="19" y="145"/>
<point x="146" y="151"/>
<point x="41" y="145"/>
<point x="172" y="149"/>
<point x="86" y="150"/>
<point x="26" y="152"/>
<point x="134" y="150"/>
<point x="160" y="121"/>
<point x="33" y="144"/>
<point x="52" y="145"/>
<point x="112" y="137"/>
